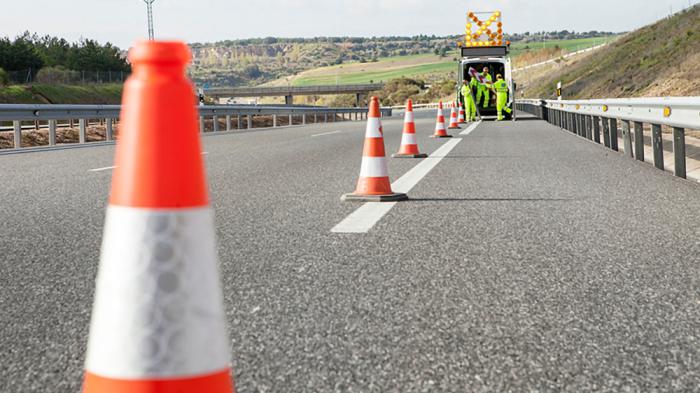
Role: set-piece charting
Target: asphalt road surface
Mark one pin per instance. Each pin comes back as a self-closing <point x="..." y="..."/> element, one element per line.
<point x="527" y="259"/>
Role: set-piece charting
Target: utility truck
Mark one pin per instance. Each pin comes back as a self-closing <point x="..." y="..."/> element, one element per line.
<point x="485" y="47"/>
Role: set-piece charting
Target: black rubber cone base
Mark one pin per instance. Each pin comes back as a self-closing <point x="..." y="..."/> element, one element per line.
<point x="454" y="128"/>
<point x="421" y="155"/>
<point x="438" y="136"/>
<point x="397" y="196"/>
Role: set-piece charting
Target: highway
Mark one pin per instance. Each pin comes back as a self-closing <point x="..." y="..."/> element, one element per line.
<point x="527" y="259"/>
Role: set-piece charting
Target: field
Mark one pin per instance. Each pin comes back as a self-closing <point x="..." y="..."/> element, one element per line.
<point x="414" y="66"/>
<point x="60" y="94"/>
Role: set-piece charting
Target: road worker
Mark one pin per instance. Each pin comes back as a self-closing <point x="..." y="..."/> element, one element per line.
<point x="501" y="88"/>
<point x="484" y="88"/>
<point x="468" y="90"/>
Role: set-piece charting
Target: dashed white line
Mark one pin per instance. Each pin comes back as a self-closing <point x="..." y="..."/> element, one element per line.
<point x="326" y="133"/>
<point x="367" y="215"/>
<point x="471" y="128"/>
<point x="101" y="169"/>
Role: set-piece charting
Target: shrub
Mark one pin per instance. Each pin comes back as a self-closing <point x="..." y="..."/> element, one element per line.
<point x="56" y="75"/>
<point x="4" y="78"/>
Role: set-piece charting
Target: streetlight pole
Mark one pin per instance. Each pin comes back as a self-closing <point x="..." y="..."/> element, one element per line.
<point x="149" y="6"/>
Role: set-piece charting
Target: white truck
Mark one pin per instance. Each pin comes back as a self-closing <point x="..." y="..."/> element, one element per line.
<point x="485" y="48"/>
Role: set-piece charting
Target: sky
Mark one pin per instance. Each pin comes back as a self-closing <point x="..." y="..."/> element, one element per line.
<point x="122" y="22"/>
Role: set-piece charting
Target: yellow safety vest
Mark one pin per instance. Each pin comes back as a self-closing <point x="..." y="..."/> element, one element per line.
<point x="501" y="86"/>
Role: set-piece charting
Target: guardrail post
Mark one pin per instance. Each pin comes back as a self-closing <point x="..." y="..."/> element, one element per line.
<point x="589" y="127"/>
<point x="239" y="122"/>
<point x="250" y="121"/>
<point x="579" y="128"/>
<point x="215" y="123"/>
<point x="325" y="117"/>
<point x="201" y="124"/>
<point x="570" y="123"/>
<point x="52" y="132"/>
<point x="613" y="134"/>
<point x="82" y="130"/>
<point x="17" y="126"/>
<point x="315" y="117"/>
<point x="109" y="129"/>
<point x="626" y="138"/>
<point x="679" y="151"/>
<point x="274" y="120"/>
<point x="657" y="146"/>
<point x="228" y="122"/>
<point x="596" y="128"/>
<point x="303" y="118"/>
<point x="291" y="122"/>
<point x="639" y="141"/>
<point x="606" y="131"/>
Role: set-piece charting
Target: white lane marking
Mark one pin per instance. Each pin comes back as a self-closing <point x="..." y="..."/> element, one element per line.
<point x="101" y="169"/>
<point x="326" y="133"/>
<point x="364" y="218"/>
<point x="367" y="215"/>
<point x="471" y="128"/>
<point x="112" y="167"/>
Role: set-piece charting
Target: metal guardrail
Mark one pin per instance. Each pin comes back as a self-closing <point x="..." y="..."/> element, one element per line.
<point x="587" y="118"/>
<point x="48" y="116"/>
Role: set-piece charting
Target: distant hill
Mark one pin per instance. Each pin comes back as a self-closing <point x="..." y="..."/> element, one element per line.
<point x="261" y="60"/>
<point x="662" y="59"/>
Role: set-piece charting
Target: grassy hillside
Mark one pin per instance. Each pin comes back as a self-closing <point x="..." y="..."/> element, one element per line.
<point x="657" y="60"/>
<point x="50" y="94"/>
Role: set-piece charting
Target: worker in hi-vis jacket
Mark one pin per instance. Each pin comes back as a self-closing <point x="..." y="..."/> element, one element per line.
<point x="468" y="90"/>
<point x="501" y="88"/>
<point x="484" y="88"/>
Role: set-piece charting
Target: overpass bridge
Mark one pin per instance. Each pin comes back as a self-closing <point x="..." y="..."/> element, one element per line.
<point x="531" y="255"/>
<point x="288" y="92"/>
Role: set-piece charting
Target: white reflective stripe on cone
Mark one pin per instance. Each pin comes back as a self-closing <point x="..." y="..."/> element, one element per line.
<point x="408" y="139"/>
<point x="373" y="167"/>
<point x="373" y="124"/>
<point x="440" y="113"/>
<point x="440" y="126"/>
<point x="158" y="310"/>
<point x="408" y="117"/>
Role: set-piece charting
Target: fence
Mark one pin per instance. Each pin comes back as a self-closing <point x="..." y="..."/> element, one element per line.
<point x="19" y="119"/>
<point x="56" y="76"/>
<point x="588" y="118"/>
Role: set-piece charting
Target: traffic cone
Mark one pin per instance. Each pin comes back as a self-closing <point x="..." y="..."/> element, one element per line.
<point x="453" y="119"/>
<point x="374" y="184"/>
<point x="158" y="322"/>
<point x="409" y="146"/>
<point x="461" y="118"/>
<point x="440" y="124"/>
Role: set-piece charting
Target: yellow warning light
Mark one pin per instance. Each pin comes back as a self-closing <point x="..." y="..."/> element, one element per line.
<point x="470" y="14"/>
<point x="488" y="23"/>
<point x="500" y="43"/>
<point x="469" y="25"/>
<point x="667" y="111"/>
<point x="478" y="23"/>
<point x="605" y="108"/>
<point x="497" y="14"/>
<point x="499" y="24"/>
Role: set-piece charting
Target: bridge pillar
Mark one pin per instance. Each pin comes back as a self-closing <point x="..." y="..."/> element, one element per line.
<point x="359" y="97"/>
<point x="289" y="100"/>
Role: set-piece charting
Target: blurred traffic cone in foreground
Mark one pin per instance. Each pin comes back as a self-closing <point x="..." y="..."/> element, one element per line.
<point x="453" y="119"/>
<point x="157" y="321"/>
<point x="461" y="119"/>
<point x="440" y="124"/>
<point x="374" y="184"/>
<point x="409" y="146"/>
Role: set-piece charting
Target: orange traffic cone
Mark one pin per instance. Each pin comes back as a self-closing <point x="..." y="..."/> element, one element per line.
<point x="440" y="124"/>
<point x="409" y="145"/>
<point x="453" y="119"/>
<point x="374" y="184"/>
<point x="158" y="323"/>
<point x="461" y="119"/>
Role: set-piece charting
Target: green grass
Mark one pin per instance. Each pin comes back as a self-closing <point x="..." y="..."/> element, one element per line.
<point x="568" y="45"/>
<point x="60" y="94"/>
<point x="376" y="76"/>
